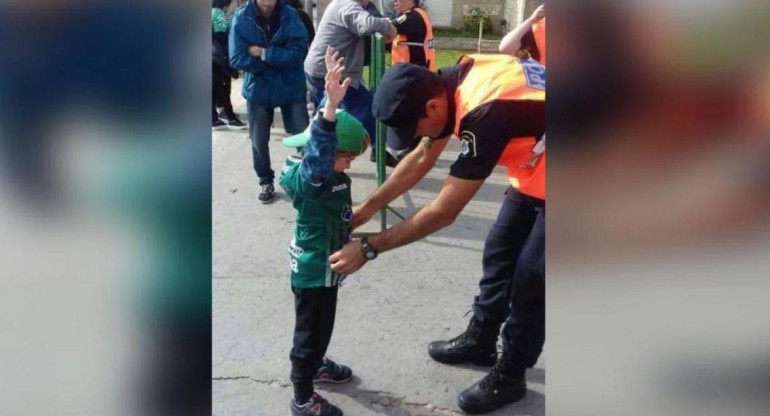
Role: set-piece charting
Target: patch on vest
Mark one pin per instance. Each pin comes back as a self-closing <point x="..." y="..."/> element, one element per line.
<point x="467" y="144"/>
<point x="534" y="73"/>
<point x="429" y="44"/>
<point x="294" y="249"/>
<point x="340" y="187"/>
<point x="347" y="213"/>
<point x="401" y="19"/>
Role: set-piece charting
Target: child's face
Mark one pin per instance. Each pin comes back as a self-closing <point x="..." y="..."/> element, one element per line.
<point x="342" y="162"/>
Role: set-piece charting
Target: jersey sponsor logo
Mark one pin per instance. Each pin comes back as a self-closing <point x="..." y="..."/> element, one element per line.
<point x="340" y="187"/>
<point x="347" y="213"/>
<point x="468" y="144"/>
<point x="534" y="73"/>
<point x="294" y="249"/>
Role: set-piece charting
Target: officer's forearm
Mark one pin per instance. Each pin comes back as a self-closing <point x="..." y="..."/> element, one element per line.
<point x="439" y="213"/>
<point x="423" y="223"/>
<point x="408" y="172"/>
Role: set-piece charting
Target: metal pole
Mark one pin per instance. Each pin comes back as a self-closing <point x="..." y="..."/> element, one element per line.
<point x="481" y="32"/>
<point x="376" y="70"/>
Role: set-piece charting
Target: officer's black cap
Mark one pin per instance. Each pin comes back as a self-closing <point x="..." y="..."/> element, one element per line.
<point x="400" y="101"/>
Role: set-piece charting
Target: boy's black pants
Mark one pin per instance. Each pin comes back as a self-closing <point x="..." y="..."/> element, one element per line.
<point x="315" y="312"/>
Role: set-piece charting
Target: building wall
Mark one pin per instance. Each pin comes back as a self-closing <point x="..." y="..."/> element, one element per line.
<point x="439" y="11"/>
<point x="518" y="10"/>
<point x="458" y="11"/>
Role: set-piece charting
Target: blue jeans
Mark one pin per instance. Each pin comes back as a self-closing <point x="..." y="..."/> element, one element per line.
<point x="512" y="289"/>
<point x="295" y="120"/>
<point x="357" y="101"/>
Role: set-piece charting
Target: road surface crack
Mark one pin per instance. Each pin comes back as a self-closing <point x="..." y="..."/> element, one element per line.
<point x="271" y="382"/>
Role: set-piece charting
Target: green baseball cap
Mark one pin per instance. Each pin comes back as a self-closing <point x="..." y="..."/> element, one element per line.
<point x="351" y="134"/>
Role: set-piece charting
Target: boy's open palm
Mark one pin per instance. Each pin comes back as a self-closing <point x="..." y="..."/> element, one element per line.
<point x="335" y="91"/>
<point x="332" y="58"/>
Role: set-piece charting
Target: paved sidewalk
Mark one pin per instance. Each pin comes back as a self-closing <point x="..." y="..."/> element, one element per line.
<point x="387" y="313"/>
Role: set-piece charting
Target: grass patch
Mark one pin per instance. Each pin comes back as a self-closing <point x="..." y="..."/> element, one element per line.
<point x="461" y="33"/>
<point x="444" y="58"/>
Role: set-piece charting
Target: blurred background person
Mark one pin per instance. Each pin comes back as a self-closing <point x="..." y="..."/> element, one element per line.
<point x="221" y="71"/>
<point x="344" y="26"/>
<point x="269" y="42"/>
<point x="528" y="37"/>
<point x="307" y="20"/>
<point x="414" y="45"/>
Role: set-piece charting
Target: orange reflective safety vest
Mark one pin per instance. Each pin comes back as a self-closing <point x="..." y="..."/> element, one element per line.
<point x="503" y="77"/>
<point x="400" y="52"/>
<point x="538" y="29"/>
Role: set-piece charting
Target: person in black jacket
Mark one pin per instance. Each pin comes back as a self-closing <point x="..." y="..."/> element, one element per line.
<point x="306" y="19"/>
<point x="221" y="71"/>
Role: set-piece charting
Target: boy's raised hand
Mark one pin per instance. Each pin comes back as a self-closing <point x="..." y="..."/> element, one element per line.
<point x="335" y="91"/>
<point x="332" y="58"/>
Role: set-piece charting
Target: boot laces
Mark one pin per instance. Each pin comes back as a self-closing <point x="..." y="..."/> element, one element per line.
<point x="471" y="333"/>
<point x="495" y="378"/>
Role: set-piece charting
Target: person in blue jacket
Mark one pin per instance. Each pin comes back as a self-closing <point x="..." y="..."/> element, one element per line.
<point x="268" y="42"/>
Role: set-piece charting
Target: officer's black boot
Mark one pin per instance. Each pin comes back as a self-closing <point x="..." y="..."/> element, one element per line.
<point x="503" y="385"/>
<point x="476" y="345"/>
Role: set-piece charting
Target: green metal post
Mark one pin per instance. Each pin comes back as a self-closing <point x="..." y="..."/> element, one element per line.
<point x="376" y="71"/>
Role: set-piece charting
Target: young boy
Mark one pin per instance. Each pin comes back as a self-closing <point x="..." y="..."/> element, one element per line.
<point x="320" y="191"/>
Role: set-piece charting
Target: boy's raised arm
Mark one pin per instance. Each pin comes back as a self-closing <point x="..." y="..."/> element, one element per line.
<point x="318" y="162"/>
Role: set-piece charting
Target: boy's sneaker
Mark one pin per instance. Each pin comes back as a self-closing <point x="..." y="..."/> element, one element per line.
<point x="267" y="194"/>
<point x="331" y="372"/>
<point x="236" y="124"/>
<point x="218" y="125"/>
<point x="317" y="406"/>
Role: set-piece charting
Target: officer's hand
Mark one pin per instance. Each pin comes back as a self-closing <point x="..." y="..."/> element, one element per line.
<point x="335" y="91"/>
<point x="538" y="14"/>
<point x="348" y="259"/>
<point x="360" y="217"/>
<point x="332" y="58"/>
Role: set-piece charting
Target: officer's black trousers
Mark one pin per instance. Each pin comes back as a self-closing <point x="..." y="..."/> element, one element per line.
<point x="315" y="312"/>
<point x="512" y="289"/>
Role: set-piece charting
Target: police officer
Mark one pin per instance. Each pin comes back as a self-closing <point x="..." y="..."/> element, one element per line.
<point x="495" y="105"/>
<point x="414" y="43"/>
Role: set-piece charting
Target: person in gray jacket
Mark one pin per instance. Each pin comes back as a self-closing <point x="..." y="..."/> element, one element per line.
<point x="343" y="27"/>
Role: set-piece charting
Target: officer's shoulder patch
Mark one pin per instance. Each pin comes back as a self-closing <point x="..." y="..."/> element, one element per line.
<point x="534" y="73"/>
<point x="467" y="144"/>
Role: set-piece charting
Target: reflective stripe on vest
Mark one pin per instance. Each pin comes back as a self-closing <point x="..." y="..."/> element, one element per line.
<point x="539" y="31"/>
<point x="401" y="46"/>
<point x="502" y="77"/>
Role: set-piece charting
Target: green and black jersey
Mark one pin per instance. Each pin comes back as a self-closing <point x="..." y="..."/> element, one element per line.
<point x="324" y="210"/>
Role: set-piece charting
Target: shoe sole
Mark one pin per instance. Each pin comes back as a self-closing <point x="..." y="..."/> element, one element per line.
<point x="482" y="362"/>
<point x="269" y="201"/>
<point x="341" y="413"/>
<point x="237" y="127"/>
<point x="330" y="381"/>
<point x="471" y="410"/>
<point x="219" y="128"/>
